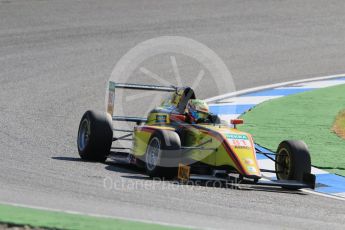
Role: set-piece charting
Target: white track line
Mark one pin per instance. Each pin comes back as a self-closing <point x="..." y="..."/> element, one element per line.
<point x="245" y="100"/>
<point x="227" y="118"/>
<point x="97" y="215"/>
<point x="340" y="194"/>
<point x="255" y="89"/>
<point x="323" y="194"/>
<point x="320" y="84"/>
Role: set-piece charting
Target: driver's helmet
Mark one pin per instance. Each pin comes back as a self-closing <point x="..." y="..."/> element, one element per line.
<point x="197" y="109"/>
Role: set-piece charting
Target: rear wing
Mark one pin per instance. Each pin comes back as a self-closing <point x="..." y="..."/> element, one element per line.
<point x="111" y="98"/>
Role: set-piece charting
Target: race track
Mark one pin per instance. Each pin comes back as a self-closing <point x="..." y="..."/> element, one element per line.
<point x="55" y="60"/>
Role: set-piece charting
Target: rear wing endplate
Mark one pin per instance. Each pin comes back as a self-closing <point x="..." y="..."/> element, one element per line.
<point x="111" y="98"/>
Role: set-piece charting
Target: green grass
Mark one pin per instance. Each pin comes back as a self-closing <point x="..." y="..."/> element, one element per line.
<point x="307" y="116"/>
<point x="59" y="220"/>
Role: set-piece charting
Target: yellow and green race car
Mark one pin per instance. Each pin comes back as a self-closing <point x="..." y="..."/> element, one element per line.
<point x="168" y="143"/>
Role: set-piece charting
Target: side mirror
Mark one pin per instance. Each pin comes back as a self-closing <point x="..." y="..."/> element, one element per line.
<point x="236" y="122"/>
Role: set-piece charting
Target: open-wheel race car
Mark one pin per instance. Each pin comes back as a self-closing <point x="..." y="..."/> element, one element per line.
<point x="177" y="139"/>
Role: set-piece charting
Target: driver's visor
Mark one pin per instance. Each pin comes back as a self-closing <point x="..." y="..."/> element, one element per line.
<point x="199" y="115"/>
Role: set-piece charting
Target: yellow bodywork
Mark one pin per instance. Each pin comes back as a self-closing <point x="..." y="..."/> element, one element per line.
<point x="142" y="135"/>
<point x="226" y="146"/>
<point x="211" y="144"/>
<point x="222" y="145"/>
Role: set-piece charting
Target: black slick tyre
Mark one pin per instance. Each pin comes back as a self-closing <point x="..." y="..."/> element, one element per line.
<point x="95" y="136"/>
<point x="292" y="160"/>
<point x="163" y="154"/>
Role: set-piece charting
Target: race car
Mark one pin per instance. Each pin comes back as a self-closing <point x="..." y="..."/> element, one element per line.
<point x="181" y="138"/>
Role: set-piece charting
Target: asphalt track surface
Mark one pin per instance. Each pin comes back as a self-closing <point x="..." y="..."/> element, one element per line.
<point x="56" y="57"/>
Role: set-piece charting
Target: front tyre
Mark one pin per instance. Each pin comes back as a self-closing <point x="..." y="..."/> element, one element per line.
<point x="95" y="136"/>
<point x="163" y="154"/>
<point x="292" y="160"/>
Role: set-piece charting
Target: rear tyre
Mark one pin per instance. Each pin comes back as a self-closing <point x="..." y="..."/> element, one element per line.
<point x="292" y="160"/>
<point x="95" y="136"/>
<point x="163" y="154"/>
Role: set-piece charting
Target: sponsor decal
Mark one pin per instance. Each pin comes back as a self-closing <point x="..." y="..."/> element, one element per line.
<point x="248" y="161"/>
<point x="239" y="141"/>
<point x="111" y="98"/>
<point x="251" y="169"/>
<point x="161" y="118"/>
<point x="183" y="172"/>
<point x="236" y="136"/>
<point x="241" y="147"/>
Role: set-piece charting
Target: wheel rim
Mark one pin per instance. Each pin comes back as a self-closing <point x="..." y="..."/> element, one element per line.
<point x="84" y="135"/>
<point x="153" y="154"/>
<point x="283" y="164"/>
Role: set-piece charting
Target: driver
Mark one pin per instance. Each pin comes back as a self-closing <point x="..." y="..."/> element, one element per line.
<point x="197" y="111"/>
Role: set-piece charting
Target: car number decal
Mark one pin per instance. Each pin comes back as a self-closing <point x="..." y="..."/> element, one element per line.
<point x="238" y="140"/>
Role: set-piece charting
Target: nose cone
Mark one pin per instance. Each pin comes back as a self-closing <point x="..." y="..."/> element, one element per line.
<point x="242" y="147"/>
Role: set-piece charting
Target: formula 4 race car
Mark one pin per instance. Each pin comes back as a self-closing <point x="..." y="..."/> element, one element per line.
<point x="167" y="144"/>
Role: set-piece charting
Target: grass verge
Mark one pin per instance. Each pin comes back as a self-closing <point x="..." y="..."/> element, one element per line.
<point x="59" y="220"/>
<point x="307" y="116"/>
